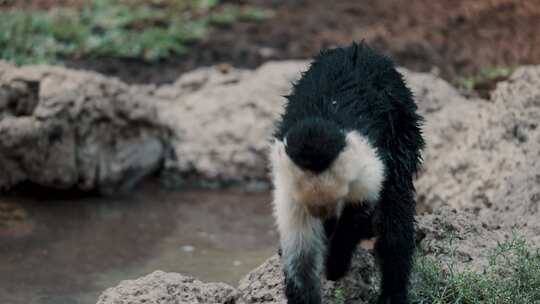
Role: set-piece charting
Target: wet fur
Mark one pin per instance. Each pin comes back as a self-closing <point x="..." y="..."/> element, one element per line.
<point x="356" y="175"/>
<point x="343" y="160"/>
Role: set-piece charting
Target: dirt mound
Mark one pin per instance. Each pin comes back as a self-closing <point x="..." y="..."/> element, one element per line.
<point x="265" y="284"/>
<point x="483" y="155"/>
<point x="165" y="288"/>
<point x="224" y="119"/>
<point x="63" y="129"/>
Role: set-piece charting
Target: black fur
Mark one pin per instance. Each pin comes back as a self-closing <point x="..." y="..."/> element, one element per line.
<point x="354" y="225"/>
<point x="357" y="88"/>
<point x="314" y="143"/>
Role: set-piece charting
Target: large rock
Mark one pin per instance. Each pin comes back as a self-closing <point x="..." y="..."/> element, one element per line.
<point x="516" y="203"/>
<point x="66" y="129"/>
<point x="483" y="155"/>
<point x="169" y="288"/>
<point x="224" y="119"/>
<point x="69" y="129"/>
<point x="458" y="238"/>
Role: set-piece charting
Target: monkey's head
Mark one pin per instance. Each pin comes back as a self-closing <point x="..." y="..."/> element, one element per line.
<point x="308" y="164"/>
<point x="314" y="144"/>
<point x="317" y="165"/>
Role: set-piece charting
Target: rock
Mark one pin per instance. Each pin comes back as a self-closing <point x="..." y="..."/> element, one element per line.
<point x="94" y="132"/>
<point x="224" y="120"/>
<point x="65" y="129"/>
<point x="452" y="125"/>
<point x="168" y="288"/>
<point x="265" y="284"/>
<point x="18" y="98"/>
<point x="482" y="155"/>
<point x="458" y="238"/>
<point x="516" y="204"/>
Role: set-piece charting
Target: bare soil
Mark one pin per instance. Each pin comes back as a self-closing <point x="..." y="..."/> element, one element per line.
<point x="454" y="37"/>
<point x="39" y="4"/>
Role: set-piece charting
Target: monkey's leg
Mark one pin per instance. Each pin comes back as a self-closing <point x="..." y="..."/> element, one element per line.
<point x="353" y="225"/>
<point x="302" y="243"/>
<point x="395" y="243"/>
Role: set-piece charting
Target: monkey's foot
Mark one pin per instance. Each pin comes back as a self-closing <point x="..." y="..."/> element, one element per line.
<point x="336" y="268"/>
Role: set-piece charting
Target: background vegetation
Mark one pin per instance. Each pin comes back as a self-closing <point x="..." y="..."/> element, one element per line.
<point x="512" y="276"/>
<point x="148" y="30"/>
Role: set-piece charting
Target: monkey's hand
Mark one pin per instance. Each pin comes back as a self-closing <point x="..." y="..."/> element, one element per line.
<point x="337" y="268"/>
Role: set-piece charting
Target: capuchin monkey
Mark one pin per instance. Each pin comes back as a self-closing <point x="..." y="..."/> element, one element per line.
<point x="343" y="159"/>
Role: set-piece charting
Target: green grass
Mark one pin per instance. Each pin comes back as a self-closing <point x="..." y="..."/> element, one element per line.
<point x="339" y="296"/>
<point x="485" y="75"/>
<point x="512" y="277"/>
<point x="147" y="30"/>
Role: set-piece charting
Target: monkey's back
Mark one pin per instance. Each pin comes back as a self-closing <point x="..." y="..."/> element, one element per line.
<point x="359" y="89"/>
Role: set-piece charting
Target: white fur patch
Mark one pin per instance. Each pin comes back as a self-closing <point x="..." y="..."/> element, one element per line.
<point x="305" y="243"/>
<point x="367" y="168"/>
<point x="355" y="176"/>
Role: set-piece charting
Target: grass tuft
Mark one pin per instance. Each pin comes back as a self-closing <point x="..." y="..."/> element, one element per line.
<point x="484" y="77"/>
<point x="339" y="296"/>
<point x="147" y="30"/>
<point x="512" y="277"/>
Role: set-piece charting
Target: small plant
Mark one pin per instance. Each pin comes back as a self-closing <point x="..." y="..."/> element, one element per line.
<point x="512" y="277"/>
<point x="339" y="296"/>
<point x="485" y="76"/>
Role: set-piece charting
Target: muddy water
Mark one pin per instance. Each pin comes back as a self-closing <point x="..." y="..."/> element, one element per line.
<point x="68" y="250"/>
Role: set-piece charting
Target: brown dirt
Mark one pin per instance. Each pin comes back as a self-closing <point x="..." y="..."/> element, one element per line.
<point x="458" y="37"/>
<point x="39" y="4"/>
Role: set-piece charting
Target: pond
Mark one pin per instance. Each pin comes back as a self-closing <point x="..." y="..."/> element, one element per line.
<point x="69" y="249"/>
